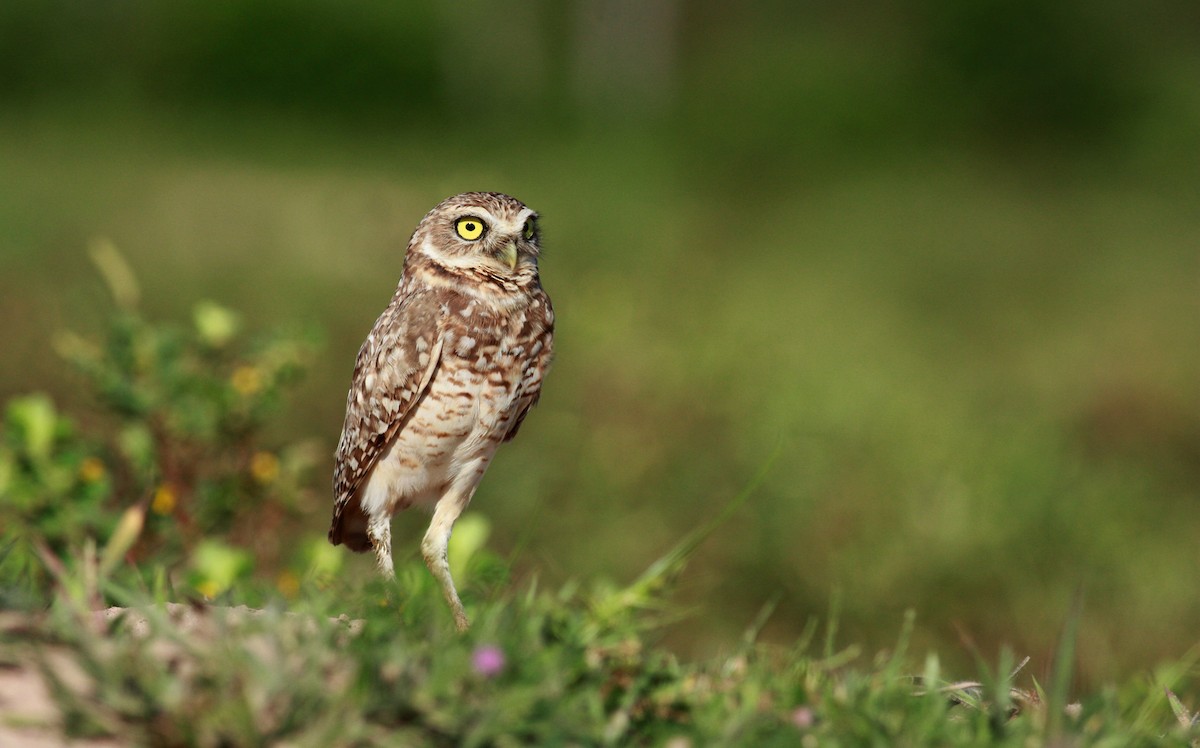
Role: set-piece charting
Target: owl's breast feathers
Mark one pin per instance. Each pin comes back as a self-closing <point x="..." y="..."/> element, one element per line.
<point x="504" y="335"/>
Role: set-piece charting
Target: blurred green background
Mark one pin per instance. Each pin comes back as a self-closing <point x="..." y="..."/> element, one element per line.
<point x="946" y="252"/>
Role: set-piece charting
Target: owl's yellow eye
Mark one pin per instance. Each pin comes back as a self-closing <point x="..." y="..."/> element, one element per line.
<point x="469" y="228"/>
<point x="530" y="229"/>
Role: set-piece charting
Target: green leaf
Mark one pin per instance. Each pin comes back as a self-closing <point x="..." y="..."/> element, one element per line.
<point x="215" y="324"/>
<point x="324" y="560"/>
<point x="137" y="444"/>
<point x="217" y="566"/>
<point x="35" y="419"/>
<point x="1064" y="664"/>
<point x="470" y="534"/>
<point x="1182" y="715"/>
<point x="123" y="538"/>
<point x="117" y="273"/>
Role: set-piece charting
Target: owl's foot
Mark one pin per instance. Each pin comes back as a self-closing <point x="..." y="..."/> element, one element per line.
<point x="460" y="618"/>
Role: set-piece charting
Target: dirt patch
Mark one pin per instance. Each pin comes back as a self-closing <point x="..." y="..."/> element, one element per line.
<point x="29" y="714"/>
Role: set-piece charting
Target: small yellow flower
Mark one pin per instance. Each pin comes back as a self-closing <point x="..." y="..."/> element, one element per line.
<point x="164" y="500"/>
<point x="208" y="588"/>
<point x="264" y="466"/>
<point x="247" y="380"/>
<point x="91" y="470"/>
<point x="288" y="584"/>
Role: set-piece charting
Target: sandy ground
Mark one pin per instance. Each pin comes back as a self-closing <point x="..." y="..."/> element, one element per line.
<point x="29" y="717"/>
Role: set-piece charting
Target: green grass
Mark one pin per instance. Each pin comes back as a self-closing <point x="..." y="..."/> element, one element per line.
<point x="982" y="366"/>
<point x="368" y="663"/>
<point x="330" y="656"/>
<point x="941" y="256"/>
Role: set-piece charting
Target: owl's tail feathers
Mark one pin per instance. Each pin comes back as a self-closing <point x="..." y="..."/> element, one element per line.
<point x="349" y="528"/>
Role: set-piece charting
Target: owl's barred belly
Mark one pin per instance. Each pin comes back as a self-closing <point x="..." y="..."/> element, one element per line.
<point x="446" y="444"/>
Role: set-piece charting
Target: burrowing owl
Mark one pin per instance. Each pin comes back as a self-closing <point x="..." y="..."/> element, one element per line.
<point x="449" y="371"/>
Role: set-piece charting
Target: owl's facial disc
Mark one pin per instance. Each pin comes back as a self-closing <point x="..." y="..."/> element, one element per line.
<point x="498" y="240"/>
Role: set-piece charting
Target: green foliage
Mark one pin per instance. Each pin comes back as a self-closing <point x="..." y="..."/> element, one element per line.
<point x="983" y="369"/>
<point x="174" y="504"/>
<point x="55" y="492"/>
<point x="377" y="664"/>
<point x="982" y="358"/>
<point x="1063" y="69"/>
<point x="752" y="78"/>
<point x="187" y="459"/>
<point x="309" y="55"/>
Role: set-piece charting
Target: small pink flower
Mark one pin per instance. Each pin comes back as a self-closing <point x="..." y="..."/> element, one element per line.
<point x="802" y="717"/>
<point x="488" y="661"/>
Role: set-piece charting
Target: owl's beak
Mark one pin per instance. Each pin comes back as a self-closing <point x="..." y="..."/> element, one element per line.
<point x="508" y="254"/>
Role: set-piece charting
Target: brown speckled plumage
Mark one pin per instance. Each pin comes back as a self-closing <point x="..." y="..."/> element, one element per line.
<point x="447" y="373"/>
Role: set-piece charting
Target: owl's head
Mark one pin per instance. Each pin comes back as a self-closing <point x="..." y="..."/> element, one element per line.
<point x="482" y="231"/>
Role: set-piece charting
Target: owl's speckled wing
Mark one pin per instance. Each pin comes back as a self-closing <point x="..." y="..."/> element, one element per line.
<point x="537" y="337"/>
<point x="392" y="372"/>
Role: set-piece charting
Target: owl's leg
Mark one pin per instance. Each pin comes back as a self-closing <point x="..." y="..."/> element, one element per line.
<point x="433" y="548"/>
<point x="379" y="530"/>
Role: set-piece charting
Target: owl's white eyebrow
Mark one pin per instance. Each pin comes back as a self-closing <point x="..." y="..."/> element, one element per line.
<point x="518" y="223"/>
